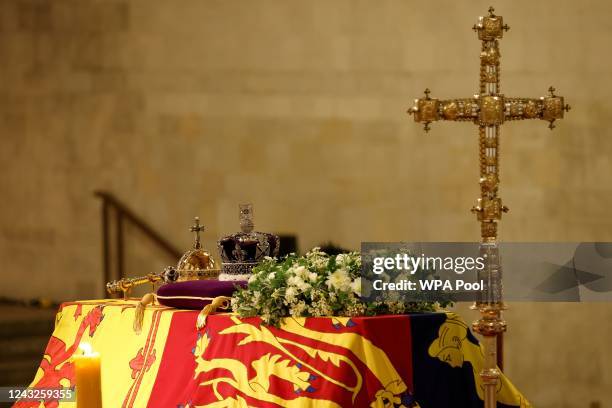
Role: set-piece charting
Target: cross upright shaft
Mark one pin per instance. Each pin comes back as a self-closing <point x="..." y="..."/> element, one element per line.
<point x="489" y="109"/>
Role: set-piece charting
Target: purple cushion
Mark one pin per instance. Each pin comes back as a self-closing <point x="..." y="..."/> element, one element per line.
<point x="195" y="294"/>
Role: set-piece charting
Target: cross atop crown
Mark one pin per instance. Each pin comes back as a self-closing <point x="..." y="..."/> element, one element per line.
<point x="197" y="228"/>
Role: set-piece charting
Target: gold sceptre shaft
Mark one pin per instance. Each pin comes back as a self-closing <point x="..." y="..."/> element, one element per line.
<point x="126" y="285"/>
<point x="489" y="109"/>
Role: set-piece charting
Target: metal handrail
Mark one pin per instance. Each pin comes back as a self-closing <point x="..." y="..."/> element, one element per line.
<point x="110" y="204"/>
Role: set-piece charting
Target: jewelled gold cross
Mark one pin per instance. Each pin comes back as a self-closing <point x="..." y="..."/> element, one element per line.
<point x="489" y="109"/>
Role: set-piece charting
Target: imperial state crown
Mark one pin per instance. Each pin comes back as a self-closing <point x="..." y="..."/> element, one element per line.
<point x="242" y="251"/>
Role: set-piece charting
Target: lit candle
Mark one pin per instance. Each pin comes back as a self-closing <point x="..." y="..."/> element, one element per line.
<point x="87" y="374"/>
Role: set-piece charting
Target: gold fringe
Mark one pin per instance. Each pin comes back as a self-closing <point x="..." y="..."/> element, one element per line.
<point x="140" y="310"/>
<point x="220" y="302"/>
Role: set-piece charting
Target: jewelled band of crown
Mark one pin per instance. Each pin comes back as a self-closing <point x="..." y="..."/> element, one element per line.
<point x="489" y="109"/>
<point x="242" y="268"/>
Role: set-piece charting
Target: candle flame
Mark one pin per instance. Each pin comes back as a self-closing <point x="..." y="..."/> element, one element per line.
<point x="86" y="349"/>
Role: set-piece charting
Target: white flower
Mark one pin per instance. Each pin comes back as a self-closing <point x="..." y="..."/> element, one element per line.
<point x="299" y="283"/>
<point x="319" y="263"/>
<point x="271" y="275"/>
<point x="256" y="297"/>
<point x="304" y="286"/>
<point x="290" y="294"/>
<point x="343" y="259"/>
<point x="317" y="259"/>
<point x="276" y="294"/>
<point x="314" y="253"/>
<point x="356" y="286"/>
<point x="294" y="281"/>
<point x="312" y="276"/>
<point x="297" y="309"/>
<point x="320" y="308"/>
<point x="301" y="271"/>
<point x="339" y="280"/>
<point x="252" y="278"/>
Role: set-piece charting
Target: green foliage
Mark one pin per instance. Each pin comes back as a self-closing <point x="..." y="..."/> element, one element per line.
<point x="315" y="284"/>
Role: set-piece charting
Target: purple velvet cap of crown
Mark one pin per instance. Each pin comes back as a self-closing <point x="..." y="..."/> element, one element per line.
<point x="195" y="289"/>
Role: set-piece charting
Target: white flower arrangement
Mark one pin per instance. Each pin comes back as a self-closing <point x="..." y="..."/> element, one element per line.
<point x="316" y="284"/>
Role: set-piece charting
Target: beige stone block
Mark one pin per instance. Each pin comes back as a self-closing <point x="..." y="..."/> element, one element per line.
<point x="102" y="15"/>
<point x="34" y="15"/>
<point x="9" y="20"/>
<point x="109" y="80"/>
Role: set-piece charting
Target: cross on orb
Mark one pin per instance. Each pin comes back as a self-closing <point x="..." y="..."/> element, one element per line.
<point x="197" y="228"/>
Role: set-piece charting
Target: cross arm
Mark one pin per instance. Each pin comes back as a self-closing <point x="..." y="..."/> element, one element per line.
<point x="427" y="110"/>
<point x="549" y="108"/>
<point x="488" y="110"/>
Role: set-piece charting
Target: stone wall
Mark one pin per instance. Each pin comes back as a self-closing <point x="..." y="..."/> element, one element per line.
<point x="189" y="108"/>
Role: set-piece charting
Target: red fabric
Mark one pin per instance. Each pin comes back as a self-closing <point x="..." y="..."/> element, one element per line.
<point x="177" y="383"/>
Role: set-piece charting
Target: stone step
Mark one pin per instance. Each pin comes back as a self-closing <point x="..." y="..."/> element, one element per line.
<point x="10" y="329"/>
<point x="24" y="333"/>
<point x="18" y="373"/>
<point x="23" y="347"/>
